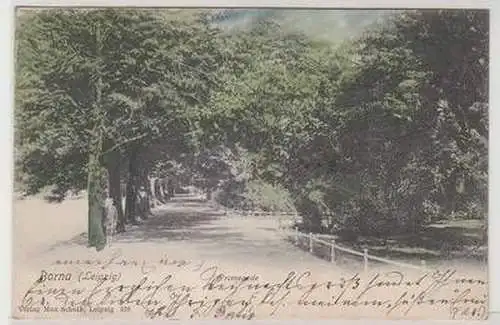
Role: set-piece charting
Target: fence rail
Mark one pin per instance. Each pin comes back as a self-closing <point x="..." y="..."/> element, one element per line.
<point x="327" y="240"/>
<point x="260" y="213"/>
<point x="312" y="239"/>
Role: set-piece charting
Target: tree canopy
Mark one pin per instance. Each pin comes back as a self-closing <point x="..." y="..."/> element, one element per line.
<point x="387" y="130"/>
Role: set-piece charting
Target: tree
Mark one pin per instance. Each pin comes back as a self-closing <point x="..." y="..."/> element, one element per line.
<point x="408" y="131"/>
<point x="355" y="131"/>
<point x="98" y="84"/>
<point x="390" y="129"/>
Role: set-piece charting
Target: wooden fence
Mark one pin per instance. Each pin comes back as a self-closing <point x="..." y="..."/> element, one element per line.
<point x="258" y="213"/>
<point x="327" y="240"/>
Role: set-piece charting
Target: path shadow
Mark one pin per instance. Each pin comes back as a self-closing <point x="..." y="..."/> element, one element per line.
<point x="461" y="240"/>
<point x="182" y="218"/>
<point x="432" y="243"/>
<point x="78" y="240"/>
<point x="189" y="204"/>
<point x="166" y="225"/>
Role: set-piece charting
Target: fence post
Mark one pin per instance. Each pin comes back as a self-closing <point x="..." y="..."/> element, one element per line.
<point x="296" y="235"/>
<point x="310" y="242"/>
<point x="365" y="257"/>
<point x="333" y="251"/>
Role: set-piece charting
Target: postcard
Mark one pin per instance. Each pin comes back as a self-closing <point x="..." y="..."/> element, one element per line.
<point x="250" y="164"/>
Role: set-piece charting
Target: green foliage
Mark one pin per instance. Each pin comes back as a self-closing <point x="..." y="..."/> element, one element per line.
<point x="152" y="67"/>
<point x="96" y="85"/>
<point x="373" y="132"/>
<point x="419" y="132"/>
<point x="264" y="196"/>
<point x="386" y="132"/>
<point x="241" y="187"/>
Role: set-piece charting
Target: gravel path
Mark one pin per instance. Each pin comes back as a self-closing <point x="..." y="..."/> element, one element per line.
<point x="188" y="230"/>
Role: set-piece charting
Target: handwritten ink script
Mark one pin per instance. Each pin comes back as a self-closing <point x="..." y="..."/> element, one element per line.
<point x="178" y="289"/>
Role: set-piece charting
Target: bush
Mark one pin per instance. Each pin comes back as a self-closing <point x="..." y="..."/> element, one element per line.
<point x="267" y="197"/>
<point x="230" y="194"/>
<point x="254" y="195"/>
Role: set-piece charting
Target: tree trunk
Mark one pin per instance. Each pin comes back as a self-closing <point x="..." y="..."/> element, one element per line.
<point x="170" y="188"/>
<point x="146" y="201"/>
<point x="123" y="193"/>
<point x="115" y="190"/>
<point x="311" y="213"/>
<point x="163" y="190"/>
<point x="96" y="235"/>
<point x="157" y="190"/>
<point x="152" y="191"/>
<point x="131" y="196"/>
<point x="149" y="200"/>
